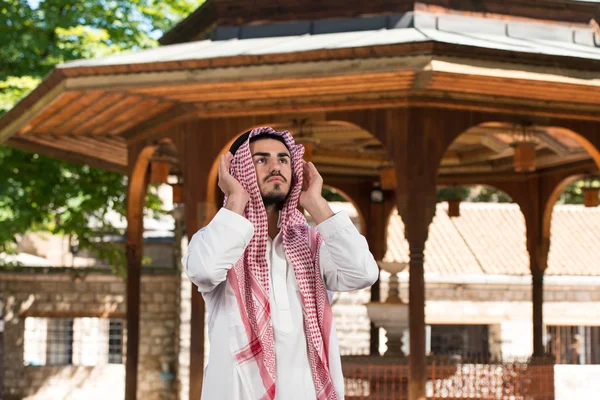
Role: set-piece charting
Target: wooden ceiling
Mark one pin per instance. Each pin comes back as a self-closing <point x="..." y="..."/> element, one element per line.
<point x="344" y="149"/>
<point x="84" y="117"/>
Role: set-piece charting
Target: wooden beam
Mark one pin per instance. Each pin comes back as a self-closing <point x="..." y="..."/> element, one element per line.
<point x="493" y="143"/>
<point x="431" y="98"/>
<point x="158" y="124"/>
<point x="35" y="102"/>
<point x="67" y="155"/>
<point x="351" y="159"/>
<point x="552" y="143"/>
<point x="499" y="177"/>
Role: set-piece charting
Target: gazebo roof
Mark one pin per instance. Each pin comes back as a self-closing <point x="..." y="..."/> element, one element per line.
<point x="213" y="14"/>
<point x="292" y="37"/>
<point x="88" y="110"/>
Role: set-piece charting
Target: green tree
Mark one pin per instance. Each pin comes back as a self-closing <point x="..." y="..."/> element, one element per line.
<point x="42" y="194"/>
<point x="573" y="193"/>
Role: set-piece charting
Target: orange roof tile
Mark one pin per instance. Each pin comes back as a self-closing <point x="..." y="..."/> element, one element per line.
<point x="489" y="238"/>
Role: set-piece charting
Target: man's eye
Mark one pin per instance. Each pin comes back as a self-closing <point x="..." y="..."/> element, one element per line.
<point x="283" y="160"/>
<point x="260" y="160"/>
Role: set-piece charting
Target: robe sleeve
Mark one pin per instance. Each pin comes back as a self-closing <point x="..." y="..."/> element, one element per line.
<point x="345" y="260"/>
<point x="215" y="248"/>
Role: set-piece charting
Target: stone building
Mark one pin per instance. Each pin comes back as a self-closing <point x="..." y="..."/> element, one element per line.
<point x="64" y="328"/>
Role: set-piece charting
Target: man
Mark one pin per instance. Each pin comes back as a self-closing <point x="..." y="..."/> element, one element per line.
<point x="265" y="275"/>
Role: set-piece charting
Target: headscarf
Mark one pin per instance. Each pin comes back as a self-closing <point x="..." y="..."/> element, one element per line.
<point x="249" y="277"/>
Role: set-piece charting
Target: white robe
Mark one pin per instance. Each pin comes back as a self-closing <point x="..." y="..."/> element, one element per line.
<point x="346" y="264"/>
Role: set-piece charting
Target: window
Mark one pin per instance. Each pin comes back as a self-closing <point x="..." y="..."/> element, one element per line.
<point x="59" y="342"/>
<point x="573" y="344"/>
<point x="465" y="341"/>
<point x="73" y="341"/>
<point x="115" y="342"/>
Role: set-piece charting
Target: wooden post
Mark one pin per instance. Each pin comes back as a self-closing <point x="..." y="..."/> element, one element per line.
<point x="538" y="246"/>
<point x="411" y="139"/>
<point x="136" y="195"/>
<point x="376" y="235"/>
<point x="537" y="297"/>
<point x="536" y="197"/>
<point x="207" y="137"/>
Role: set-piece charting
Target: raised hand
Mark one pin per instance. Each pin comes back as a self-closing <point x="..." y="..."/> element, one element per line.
<point x="311" y="198"/>
<point x="237" y="196"/>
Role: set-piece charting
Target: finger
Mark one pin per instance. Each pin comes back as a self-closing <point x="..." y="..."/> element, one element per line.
<point x="306" y="171"/>
<point x="228" y="160"/>
<point x="221" y="165"/>
<point x="314" y="169"/>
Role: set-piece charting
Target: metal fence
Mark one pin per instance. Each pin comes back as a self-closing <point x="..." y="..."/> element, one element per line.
<point x="507" y="380"/>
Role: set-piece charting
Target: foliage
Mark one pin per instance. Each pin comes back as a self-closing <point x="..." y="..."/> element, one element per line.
<point x="453" y="193"/>
<point x="573" y="193"/>
<point x="332" y="195"/>
<point x="42" y="194"/>
<point x="487" y="194"/>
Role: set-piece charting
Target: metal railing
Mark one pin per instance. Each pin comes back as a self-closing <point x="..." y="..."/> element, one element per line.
<point x="506" y="380"/>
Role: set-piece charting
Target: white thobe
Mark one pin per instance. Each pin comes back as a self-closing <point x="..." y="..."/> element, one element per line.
<point x="346" y="264"/>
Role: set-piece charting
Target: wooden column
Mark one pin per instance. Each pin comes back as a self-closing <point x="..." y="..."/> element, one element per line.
<point x="538" y="246"/>
<point x="411" y="136"/>
<point x="376" y="235"/>
<point x="375" y="238"/>
<point x="537" y="297"/>
<point x="136" y="195"/>
<point x="199" y="210"/>
<point x="205" y="137"/>
<point x="416" y="140"/>
<point x="536" y="196"/>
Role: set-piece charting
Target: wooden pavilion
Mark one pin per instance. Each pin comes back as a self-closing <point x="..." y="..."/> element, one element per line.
<point x="401" y="94"/>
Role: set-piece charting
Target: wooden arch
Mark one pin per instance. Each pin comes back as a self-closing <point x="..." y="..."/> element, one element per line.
<point x="136" y="195"/>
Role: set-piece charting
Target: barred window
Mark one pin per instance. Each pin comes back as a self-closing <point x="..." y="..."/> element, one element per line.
<point x="573" y="344"/>
<point x="466" y="341"/>
<point x="115" y="342"/>
<point x="59" y="342"/>
<point x="73" y="341"/>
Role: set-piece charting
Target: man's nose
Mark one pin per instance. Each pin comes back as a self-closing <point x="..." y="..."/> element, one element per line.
<point x="274" y="165"/>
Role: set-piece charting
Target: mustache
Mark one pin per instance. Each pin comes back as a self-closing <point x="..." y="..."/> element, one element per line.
<point x="273" y="174"/>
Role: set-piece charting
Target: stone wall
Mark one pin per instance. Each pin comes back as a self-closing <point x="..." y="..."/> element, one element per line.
<point x="61" y="293"/>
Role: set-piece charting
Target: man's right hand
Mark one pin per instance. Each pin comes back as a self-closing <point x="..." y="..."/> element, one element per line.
<point x="237" y="196"/>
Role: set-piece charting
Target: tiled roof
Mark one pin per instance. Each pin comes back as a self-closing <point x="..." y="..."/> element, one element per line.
<point x="489" y="238"/>
<point x="575" y="241"/>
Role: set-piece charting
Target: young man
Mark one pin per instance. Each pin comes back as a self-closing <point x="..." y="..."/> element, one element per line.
<point x="265" y="275"/>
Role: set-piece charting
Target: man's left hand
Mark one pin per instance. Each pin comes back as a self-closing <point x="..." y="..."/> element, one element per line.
<point x="311" y="198"/>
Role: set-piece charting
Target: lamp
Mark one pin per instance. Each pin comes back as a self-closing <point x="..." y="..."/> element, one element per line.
<point x="159" y="172"/>
<point x="176" y="182"/>
<point x="591" y="189"/>
<point x="524" y="145"/>
<point x="376" y="195"/>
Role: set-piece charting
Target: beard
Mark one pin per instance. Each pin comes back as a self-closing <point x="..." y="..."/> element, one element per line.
<point x="274" y="198"/>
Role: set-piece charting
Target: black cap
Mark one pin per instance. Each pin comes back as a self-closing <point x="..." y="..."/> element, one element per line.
<point x="238" y="142"/>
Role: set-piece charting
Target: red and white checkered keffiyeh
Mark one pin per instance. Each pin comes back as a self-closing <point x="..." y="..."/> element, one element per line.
<point x="249" y="278"/>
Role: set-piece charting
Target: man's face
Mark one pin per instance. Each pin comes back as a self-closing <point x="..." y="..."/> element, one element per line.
<point x="273" y="169"/>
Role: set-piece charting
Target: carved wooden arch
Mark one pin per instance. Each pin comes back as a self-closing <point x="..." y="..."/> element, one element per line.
<point x="136" y="195"/>
<point x="355" y="204"/>
<point x="212" y="191"/>
<point x="552" y="199"/>
<point x="136" y="191"/>
<point x="551" y="186"/>
<point x="212" y="188"/>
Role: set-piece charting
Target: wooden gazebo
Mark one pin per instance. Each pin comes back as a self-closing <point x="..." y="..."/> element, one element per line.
<point x="398" y="93"/>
